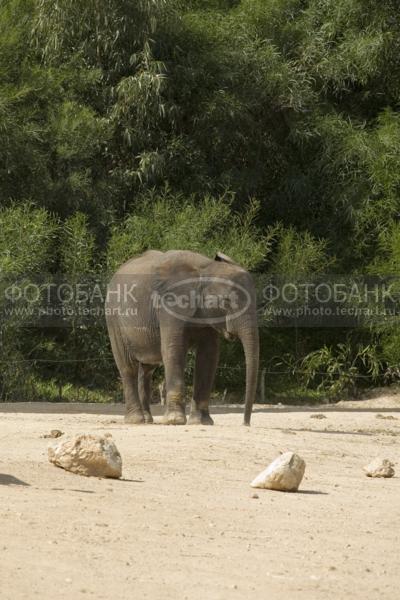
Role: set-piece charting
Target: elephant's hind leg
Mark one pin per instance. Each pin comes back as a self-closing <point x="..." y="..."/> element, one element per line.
<point x="207" y="354"/>
<point x="145" y="373"/>
<point x="128" y="369"/>
<point x="133" y="410"/>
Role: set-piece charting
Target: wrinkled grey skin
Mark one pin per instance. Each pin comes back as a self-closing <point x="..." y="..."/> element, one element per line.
<point x="153" y="334"/>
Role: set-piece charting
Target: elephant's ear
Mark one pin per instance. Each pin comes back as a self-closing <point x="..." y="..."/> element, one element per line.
<point x="176" y="288"/>
<point x="220" y="257"/>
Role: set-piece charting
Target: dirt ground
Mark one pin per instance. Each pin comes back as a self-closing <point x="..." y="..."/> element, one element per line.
<point x="183" y="522"/>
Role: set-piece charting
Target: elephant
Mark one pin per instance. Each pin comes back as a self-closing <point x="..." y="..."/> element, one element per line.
<point x="161" y="304"/>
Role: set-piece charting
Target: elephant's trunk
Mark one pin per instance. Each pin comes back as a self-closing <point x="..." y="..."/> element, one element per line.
<point x="248" y="335"/>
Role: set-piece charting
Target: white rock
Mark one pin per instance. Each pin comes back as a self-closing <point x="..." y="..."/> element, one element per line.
<point x="380" y="467"/>
<point x="284" y="474"/>
<point x="89" y="455"/>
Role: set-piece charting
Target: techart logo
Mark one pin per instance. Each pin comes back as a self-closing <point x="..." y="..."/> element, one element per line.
<point x="204" y="301"/>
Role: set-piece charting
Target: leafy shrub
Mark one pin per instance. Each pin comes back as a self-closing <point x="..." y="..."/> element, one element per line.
<point x="299" y="253"/>
<point x="80" y="348"/>
<point x="106" y="105"/>
<point x="340" y="370"/>
<point x="167" y="222"/>
<point x="27" y="236"/>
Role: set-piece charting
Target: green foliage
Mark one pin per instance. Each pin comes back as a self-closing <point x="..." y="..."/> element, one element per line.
<point x="268" y="130"/>
<point x="342" y="369"/>
<point x="78" y="132"/>
<point x="51" y="390"/>
<point x="26" y="238"/>
<point x="299" y="254"/>
<point x="168" y="223"/>
<point x="85" y="339"/>
<point x="387" y="259"/>
<point x="77" y="246"/>
<point x="105" y="34"/>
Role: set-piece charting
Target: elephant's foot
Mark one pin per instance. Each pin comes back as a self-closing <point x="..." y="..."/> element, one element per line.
<point x="134" y="418"/>
<point x="175" y="417"/>
<point x="200" y="417"/>
<point x="148" y="417"/>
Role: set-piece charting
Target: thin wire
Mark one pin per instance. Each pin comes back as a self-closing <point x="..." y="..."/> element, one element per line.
<point x="45" y="360"/>
<point x="222" y="367"/>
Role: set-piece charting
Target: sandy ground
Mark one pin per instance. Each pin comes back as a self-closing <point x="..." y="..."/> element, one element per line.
<point x="183" y="523"/>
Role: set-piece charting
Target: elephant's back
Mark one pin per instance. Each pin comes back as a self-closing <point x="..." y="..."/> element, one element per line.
<point x="152" y="260"/>
<point x="142" y="264"/>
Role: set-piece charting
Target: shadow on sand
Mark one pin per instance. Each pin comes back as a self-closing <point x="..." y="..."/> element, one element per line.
<point x="11" y="480"/>
<point x="312" y="492"/>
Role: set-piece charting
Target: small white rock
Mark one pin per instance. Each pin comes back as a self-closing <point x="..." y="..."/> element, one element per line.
<point x="283" y="474"/>
<point x="89" y="455"/>
<point x="380" y="467"/>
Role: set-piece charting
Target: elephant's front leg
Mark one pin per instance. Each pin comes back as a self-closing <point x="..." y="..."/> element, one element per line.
<point x="207" y="354"/>
<point x="174" y="350"/>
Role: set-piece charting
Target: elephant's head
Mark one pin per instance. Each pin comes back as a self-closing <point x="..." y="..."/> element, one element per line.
<point x="241" y="322"/>
<point x="219" y="294"/>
